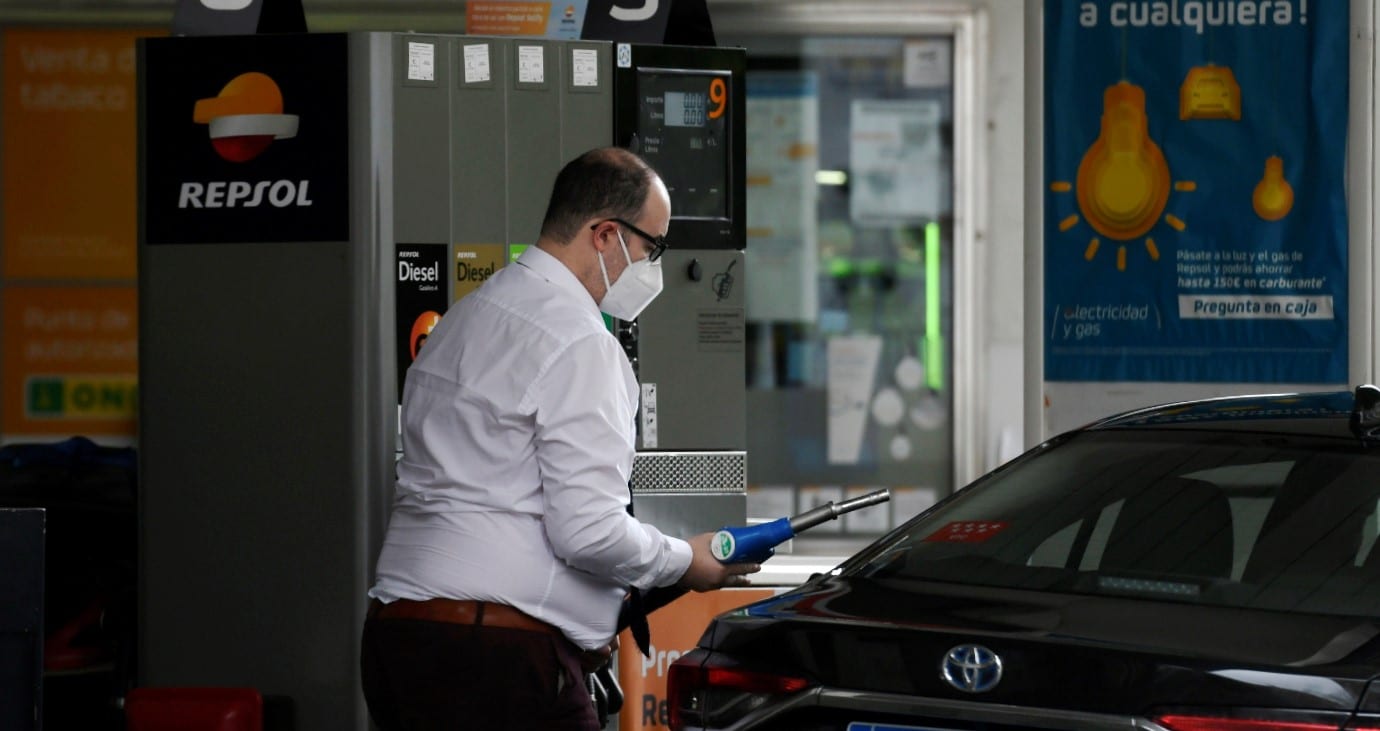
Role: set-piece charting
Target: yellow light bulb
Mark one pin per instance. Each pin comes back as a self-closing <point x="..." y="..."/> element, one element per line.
<point x="1123" y="179"/>
<point x="1274" y="197"/>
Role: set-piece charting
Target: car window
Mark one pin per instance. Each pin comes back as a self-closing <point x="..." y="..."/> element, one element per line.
<point x="1236" y="519"/>
<point x="1372" y="526"/>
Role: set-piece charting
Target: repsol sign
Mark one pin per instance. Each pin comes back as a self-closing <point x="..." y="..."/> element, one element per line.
<point x="244" y="194"/>
<point x="245" y="139"/>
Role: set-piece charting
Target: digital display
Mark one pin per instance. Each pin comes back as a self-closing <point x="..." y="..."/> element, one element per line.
<point x="685" y="109"/>
<point x="682" y="131"/>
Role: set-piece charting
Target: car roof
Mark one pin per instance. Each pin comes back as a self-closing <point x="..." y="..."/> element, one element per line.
<point x="1322" y="414"/>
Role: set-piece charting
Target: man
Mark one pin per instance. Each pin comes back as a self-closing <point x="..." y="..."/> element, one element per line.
<point x="510" y="549"/>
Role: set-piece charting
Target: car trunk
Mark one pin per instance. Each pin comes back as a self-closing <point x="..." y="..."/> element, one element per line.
<point x="1094" y="654"/>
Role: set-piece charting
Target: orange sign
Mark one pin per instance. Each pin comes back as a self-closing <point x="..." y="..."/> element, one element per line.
<point x="506" y="18"/>
<point x="67" y="177"/>
<point x="69" y="361"/>
<point x="675" y="630"/>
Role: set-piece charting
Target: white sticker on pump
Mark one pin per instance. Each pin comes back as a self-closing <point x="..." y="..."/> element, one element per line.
<point x="531" y="65"/>
<point x="584" y="67"/>
<point x="421" y="61"/>
<point x="477" y="63"/>
<point x="649" y="416"/>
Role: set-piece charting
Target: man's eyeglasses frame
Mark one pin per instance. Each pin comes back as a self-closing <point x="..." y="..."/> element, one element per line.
<point x="658" y="243"/>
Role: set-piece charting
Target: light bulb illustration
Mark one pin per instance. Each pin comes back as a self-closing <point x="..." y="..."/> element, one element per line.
<point x="1210" y="92"/>
<point x="1123" y="180"/>
<point x="1273" y="197"/>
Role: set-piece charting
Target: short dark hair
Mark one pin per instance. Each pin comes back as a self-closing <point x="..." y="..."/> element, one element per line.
<point x="608" y="182"/>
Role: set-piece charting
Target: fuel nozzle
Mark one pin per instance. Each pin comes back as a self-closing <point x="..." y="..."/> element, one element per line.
<point x="756" y="543"/>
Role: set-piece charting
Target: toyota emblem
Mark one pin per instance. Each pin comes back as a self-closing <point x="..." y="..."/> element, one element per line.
<point x="971" y="668"/>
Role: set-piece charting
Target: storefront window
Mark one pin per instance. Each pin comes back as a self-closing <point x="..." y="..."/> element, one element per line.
<point x="850" y="271"/>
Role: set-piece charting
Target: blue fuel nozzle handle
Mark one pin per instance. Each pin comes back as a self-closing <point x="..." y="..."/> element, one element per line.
<point x="750" y="543"/>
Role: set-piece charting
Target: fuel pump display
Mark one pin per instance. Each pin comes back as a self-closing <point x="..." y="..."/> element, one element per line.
<point x="683" y="132"/>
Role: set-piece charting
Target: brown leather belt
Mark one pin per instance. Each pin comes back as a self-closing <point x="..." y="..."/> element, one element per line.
<point x="457" y="611"/>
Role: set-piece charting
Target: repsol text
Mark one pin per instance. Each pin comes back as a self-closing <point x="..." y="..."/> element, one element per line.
<point x="244" y="194"/>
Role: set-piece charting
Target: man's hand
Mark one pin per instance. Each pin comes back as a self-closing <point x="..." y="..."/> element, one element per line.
<point x="591" y="660"/>
<point x="706" y="573"/>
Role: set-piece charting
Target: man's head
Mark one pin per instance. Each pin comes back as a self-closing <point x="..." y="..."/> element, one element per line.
<point x="608" y="182"/>
<point x="608" y="209"/>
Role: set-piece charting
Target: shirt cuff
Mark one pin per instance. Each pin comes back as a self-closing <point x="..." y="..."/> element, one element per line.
<point x="676" y="563"/>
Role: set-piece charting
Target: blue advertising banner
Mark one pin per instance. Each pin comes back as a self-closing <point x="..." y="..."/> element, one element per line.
<point x="1195" y="217"/>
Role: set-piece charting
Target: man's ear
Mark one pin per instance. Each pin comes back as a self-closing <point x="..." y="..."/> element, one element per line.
<point x="605" y="234"/>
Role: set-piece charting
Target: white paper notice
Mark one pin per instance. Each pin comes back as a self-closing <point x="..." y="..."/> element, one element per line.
<point x="531" y="65"/>
<point x="769" y="502"/>
<point x="477" y="63"/>
<point x="783" y="197"/>
<point x="649" y="423"/>
<point x="421" y="61"/>
<point x="898" y="174"/>
<point x="584" y="66"/>
<point x="871" y="519"/>
<point x="928" y="65"/>
<point x="908" y="502"/>
<point x="852" y="373"/>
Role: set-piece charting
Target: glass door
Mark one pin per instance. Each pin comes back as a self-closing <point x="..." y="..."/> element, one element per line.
<point x="850" y="273"/>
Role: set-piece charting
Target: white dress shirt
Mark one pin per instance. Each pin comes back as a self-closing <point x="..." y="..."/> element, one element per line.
<point x="518" y="441"/>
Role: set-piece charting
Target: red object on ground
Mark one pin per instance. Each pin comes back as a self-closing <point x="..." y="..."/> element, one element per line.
<point x="194" y="709"/>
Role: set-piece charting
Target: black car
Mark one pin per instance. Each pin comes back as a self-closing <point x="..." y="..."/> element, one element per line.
<point x="1201" y="566"/>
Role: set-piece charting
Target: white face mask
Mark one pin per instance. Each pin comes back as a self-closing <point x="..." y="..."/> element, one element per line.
<point x="636" y="287"/>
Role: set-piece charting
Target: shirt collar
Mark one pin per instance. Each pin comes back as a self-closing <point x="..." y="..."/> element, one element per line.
<point x="548" y="267"/>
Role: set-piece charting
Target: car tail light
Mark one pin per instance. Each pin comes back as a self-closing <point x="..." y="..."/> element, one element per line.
<point x="706" y="692"/>
<point x="1186" y="722"/>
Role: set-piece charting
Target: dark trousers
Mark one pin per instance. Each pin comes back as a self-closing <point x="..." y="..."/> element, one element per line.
<point x="420" y="675"/>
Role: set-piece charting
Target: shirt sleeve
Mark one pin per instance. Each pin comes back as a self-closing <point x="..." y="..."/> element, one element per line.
<point x="584" y="448"/>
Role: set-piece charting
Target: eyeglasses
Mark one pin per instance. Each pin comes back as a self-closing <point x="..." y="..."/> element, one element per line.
<point x="658" y="242"/>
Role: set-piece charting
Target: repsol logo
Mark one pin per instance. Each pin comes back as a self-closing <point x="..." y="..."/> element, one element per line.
<point x="243" y="194"/>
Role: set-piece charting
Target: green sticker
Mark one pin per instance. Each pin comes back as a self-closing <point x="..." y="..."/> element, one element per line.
<point x="724" y="547"/>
